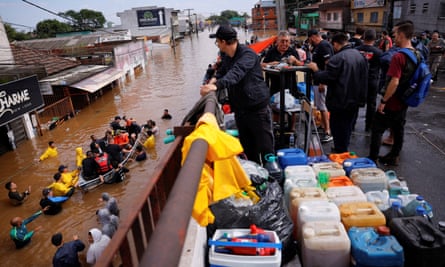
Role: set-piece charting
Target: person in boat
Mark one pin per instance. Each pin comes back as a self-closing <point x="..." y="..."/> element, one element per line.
<point x="108" y="221"/>
<point x="104" y="162"/>
<point x="98" y="144"/>
<point x="132" y="126"/>
<point x="114" y="152"/>
<point x="110" y="203"/>
<point x="166" y="115"/>
<point x="15" y="197"/>
<point x="282" y="52"/>
<point x="19" y="232"/>
<point x="67" y="252"/>
<point x="90" y="167"/>
<point x="69" y="178"/>
<point x="59" y="188"/>
<point x="116" y="124"/>
<point x="53" y="207"/>
<point x="50" y="152"/>
<point x="151" y="125"/>
<point x="121" y="138"/>
<point x="98" y="243"/>
<point x="249" y="96"/>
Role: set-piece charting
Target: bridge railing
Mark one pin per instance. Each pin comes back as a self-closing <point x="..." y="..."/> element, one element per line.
<point x="154" y="231"/>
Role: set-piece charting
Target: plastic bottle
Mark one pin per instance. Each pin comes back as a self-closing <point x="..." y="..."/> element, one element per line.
<point x="394" y="212"/>
<point x="292" y="140"/>
<point x="323" y="180"/>
<point x="272" y="167"/>
<point x="420" y="211"/>
<point x="426" y="206"/>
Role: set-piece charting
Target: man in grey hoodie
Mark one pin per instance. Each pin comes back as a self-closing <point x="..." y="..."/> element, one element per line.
<point x="108" y="221"/>
<point x="98" y="243"/>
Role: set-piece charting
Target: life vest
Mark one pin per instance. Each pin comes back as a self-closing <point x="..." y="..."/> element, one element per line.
<point x="104" y="165"/>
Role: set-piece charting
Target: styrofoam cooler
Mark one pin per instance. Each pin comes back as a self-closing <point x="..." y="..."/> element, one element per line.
<point x="333" y="168"/>
<point x="369" y="179"/>
<point x="325" y="244"/>
<point x="339" y="181"/>
<point x="300" y="195"/>
<point x="361" y="214"/>
<point x="232" y="260"/>
<point x="345" y="194"/>
<point x="379" y="198"/>
<point x="357" y="163"/>
<point x="315" y="210"/>
<point x="370" y="248"/>
<point x="291" y="156"/>
<point x="423" y="244"/>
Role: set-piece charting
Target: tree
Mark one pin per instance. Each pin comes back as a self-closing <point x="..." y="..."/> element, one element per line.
<point x="48" y="28"/>
<point x="85" y="19"/>
<point x="228" y="14"/>
<point x="15" y="35"/>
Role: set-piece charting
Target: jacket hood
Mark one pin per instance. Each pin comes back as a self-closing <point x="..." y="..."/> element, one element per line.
<point x="79" y="151"/>
<point x="103" y="216"/>
<point x="96" y="234"/>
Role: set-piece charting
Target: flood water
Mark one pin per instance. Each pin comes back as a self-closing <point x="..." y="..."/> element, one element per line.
<point x="168" y="81"/>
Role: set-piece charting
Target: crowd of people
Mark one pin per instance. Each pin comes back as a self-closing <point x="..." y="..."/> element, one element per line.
<point x="104" y="154"/>
<point x="349" y="73"/>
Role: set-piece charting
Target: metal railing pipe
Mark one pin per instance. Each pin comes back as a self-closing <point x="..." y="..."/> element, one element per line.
<point x="165" y="246"/>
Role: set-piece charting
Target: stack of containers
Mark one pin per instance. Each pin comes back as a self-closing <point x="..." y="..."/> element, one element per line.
<point x="379" y="198"/>
<point x="361" y="214"/>
<point x="369" y="179"/>
<point x="332" y="168"/>
<point x="325" y="244"/>
<point x="291" y="156"/>
<point x="300" y="195"/>
<point x="377" y="248"/>
<point x="357" y="163"/>
<point x="345" y="194"/>
<point x="298" y="176"/>
<point x="315" y="210"/>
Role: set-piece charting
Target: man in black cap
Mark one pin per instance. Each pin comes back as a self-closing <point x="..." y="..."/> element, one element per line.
<point x="53" y="207"/>
<point x="116" y="124"/>
<point x="321" y="53"/>
<point x="241" y="73"/>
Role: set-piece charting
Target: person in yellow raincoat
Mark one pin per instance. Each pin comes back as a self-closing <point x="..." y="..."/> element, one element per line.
<point x="80" y="156"/>
<point x="51" y="151"/>
<point x="222" y="174"/>
<point x="151" y="141"/>
<point x="70" y="179"/>
<point x="59" y="188"/>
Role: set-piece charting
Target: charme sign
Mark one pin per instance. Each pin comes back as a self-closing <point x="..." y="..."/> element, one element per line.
<point x="151" y="17"/>
<point x="19" y="97"/>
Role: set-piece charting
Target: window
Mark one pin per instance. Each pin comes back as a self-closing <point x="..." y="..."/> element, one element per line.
<point x="442" y="10"/>
<point x="374" y="17"/>
<point x="329" y="17"/>
<point x="359" y="17"/>
<point x="335" y="16"/>
<point x="425" y="7"/>
<point x="412" y="8"/>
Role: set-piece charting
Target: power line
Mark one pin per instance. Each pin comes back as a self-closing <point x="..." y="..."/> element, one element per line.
<point x="15" y="24"/>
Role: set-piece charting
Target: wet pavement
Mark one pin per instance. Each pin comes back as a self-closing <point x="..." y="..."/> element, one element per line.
<point x="422" y="160"/>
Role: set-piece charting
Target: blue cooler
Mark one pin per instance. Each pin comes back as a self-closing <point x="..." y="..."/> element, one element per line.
<point x="291" y="156"/>
<point x="372" y="249"/>
<point x="357" y="163"/>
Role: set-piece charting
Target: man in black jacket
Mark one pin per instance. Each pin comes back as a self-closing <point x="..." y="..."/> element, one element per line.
<point x="241" y="74"/>
<point x="346" y="75"/>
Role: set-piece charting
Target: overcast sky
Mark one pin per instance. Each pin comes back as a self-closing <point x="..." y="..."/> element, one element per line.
<point x="19" y="12"/>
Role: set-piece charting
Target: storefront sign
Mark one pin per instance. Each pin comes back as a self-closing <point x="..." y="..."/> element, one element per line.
<point x="19" y="97"/>
<point x="151" y="17"/>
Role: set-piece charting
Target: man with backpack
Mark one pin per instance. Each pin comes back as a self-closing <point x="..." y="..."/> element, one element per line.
<point x="391" y="112"/>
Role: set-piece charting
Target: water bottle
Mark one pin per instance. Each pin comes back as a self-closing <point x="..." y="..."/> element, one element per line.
<point x="420" y="211"/>
<point x="394" y="212"/>
<point x="292" y="141"/>
<point x="426" y="206"/>
<point x="323" y="180"/>
<point x="272" y="167"/>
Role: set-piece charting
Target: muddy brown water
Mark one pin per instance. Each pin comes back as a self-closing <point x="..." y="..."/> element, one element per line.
<point x="168" y="81"/>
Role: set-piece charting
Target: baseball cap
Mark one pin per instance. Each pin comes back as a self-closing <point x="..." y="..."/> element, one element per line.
<point x="312" y="32"/>
<point x="224" y="32"/>
<point x="62" y="167"/>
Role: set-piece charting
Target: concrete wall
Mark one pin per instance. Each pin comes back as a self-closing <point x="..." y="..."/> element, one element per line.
<point x="5" y="50"/>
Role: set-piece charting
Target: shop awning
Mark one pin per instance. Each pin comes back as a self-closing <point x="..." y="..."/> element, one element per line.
<point x="98" y="81"/>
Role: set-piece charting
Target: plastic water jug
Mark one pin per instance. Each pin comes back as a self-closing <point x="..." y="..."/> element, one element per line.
<point x="271" y="165"/>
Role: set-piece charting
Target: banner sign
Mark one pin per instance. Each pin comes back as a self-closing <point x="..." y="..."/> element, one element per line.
<point x="151" y="17"/>
<point x="369" y="3"/>
<point x="19" y="97"/>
